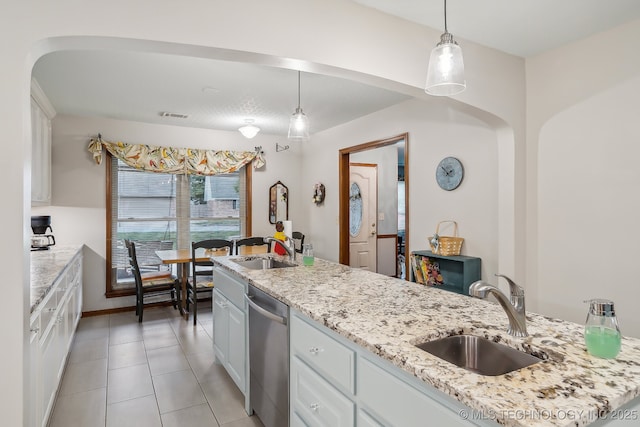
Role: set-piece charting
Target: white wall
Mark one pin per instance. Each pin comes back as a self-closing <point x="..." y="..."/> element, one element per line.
<point x="582" y="150"/>
<point x="78" y="185"/>
<point x="588" y="226"/>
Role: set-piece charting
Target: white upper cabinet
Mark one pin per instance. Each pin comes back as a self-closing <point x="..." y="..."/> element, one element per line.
<point x="41" y="114"/>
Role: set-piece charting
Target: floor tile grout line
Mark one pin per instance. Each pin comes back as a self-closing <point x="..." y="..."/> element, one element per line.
<point x="182" y="333"/>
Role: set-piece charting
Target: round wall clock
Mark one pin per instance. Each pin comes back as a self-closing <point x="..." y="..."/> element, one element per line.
<point x="449" y="173"/>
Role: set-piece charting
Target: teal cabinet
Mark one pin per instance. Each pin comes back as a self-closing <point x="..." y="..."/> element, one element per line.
<point x="451" y="273"/>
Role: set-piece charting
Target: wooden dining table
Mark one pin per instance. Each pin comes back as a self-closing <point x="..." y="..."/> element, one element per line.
<point x="182" y="257"/>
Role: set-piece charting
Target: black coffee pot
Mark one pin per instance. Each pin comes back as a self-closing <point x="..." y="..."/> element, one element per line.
<point x="40" y="224"/>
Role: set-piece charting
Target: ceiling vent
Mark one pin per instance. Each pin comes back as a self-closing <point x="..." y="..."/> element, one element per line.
<point x="174" y="115"/>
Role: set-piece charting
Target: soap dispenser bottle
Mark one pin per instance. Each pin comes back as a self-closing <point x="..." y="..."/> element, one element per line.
<point x="601" y="332"/>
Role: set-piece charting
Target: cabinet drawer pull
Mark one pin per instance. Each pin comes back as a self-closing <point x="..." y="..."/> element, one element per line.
<point x="34" y="330"/>
<point x="316" y="350"/>
<point x="51" y="310"/>
<point x="314" y="407"/>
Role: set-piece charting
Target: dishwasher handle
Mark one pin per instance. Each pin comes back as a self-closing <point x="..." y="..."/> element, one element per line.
<point x="264" y="312"/>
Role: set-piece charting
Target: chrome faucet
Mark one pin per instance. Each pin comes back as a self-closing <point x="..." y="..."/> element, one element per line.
<point x="287" y="244"/>
<point x="514" y="308"/>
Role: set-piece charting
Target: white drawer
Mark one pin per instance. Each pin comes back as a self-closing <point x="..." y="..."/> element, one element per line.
<point x="315" y="401"/>
<point x="233" y="289"/>
<point x="330" y="358"/>
<point x="397" y="402"/>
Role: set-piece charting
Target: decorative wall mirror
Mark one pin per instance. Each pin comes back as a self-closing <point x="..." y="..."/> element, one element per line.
<point x="278" y="202"/>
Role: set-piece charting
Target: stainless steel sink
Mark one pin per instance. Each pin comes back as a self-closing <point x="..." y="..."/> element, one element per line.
<point x="478" y="354"/>
<point x="262" y="263"/>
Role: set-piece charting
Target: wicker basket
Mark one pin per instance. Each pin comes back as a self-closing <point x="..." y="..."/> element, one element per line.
<point x="446" y="245"/>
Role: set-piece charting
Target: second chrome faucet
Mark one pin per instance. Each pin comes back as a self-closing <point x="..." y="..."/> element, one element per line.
<point x="514" y="306"/>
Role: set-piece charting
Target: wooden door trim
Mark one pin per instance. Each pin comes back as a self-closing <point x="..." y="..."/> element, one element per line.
<point x="343" y="193"/>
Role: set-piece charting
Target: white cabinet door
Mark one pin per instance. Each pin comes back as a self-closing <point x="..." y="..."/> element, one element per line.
<point x="365" y="420"/>
<point x="40" y="156"/>
<point x="50" y="356"/>
<point x="35" y="376"/>
<point x="399" y="403"/>
<point x="229" y="338"/>
<point x="220" y="326"/>
<point x="236" y="359"/>
<point x="315" y="401"/>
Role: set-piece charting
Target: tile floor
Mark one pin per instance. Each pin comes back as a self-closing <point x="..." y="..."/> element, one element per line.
<point x="162" y="372"/>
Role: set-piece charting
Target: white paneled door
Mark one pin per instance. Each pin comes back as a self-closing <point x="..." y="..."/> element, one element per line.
<point x="363" y="202"/>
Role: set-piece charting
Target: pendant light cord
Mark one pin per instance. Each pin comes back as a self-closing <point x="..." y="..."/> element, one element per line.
<point x="299" y="88"/>
<point x="445" y="16"/>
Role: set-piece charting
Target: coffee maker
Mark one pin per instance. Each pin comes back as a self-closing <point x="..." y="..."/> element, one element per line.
<point x="40" y="240"/>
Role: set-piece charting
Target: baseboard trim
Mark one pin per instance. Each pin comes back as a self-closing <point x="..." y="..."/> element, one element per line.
<point x="130" y="308"/>
<point x="122" y="309"/>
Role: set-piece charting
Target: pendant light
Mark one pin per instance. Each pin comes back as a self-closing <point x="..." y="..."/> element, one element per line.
<point x="249" y="130"/>
<point x="445" y="76"/>
<point x="299" y="123"/>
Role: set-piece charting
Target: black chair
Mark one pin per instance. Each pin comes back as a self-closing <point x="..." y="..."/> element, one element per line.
<point x="298" y="240"/>
<point x="152" y="284"/>
<point x="252" y="241"/>
<point x="201" y="279"/>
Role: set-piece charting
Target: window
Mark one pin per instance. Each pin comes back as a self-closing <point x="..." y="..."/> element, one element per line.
<point x="166" y="211"/>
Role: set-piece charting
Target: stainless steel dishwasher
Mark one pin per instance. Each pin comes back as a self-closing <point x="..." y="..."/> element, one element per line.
<point x="268" y="358"/>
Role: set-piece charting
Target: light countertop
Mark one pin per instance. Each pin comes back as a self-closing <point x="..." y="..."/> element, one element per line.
<point x="46" y="267"/>
<point x="388" y="316"/>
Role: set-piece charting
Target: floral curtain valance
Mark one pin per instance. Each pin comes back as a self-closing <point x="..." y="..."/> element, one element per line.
<point x="176" y="160"/>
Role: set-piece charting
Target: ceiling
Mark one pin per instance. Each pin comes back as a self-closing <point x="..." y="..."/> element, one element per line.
<point x="214" y="94"/>
<point x="221" y="95"/>
<point x="519" y="27"/>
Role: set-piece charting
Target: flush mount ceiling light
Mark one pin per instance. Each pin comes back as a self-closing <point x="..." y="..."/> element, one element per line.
<point x="445" y="76"/>
<point x="299" y="123"/>
<point x="249" y="130"/>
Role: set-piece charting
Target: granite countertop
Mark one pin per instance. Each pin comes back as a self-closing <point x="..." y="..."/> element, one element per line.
<point x="387" y="316"/>
<point x="46" y="267"/>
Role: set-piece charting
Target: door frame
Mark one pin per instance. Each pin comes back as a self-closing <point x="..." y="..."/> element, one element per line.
<point x="343" y="193"/>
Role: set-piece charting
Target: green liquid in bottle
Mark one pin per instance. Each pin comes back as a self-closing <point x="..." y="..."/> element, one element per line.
<point x="602" y="342"/>
<point x="307" y="260"/>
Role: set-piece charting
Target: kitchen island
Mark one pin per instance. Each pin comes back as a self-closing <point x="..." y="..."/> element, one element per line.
<point x="387" y="317"/>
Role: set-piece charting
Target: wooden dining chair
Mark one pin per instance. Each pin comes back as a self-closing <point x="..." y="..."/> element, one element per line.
<point x="201" y="280"/>
<point x="152" y="284"/>
<point x="251" y="241"/>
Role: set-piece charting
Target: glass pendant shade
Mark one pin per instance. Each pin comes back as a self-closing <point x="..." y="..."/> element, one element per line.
<point x="445" y="76"/>
<point x="299" y="123"/>
<point x="298" y="126"/>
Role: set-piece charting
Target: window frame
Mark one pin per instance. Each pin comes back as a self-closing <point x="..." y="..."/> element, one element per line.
<point x="115" y="293"/>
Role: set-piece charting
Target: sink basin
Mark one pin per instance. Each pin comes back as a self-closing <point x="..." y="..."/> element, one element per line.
<point x="478" y="354"/>
<point x="262" y="263"/>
